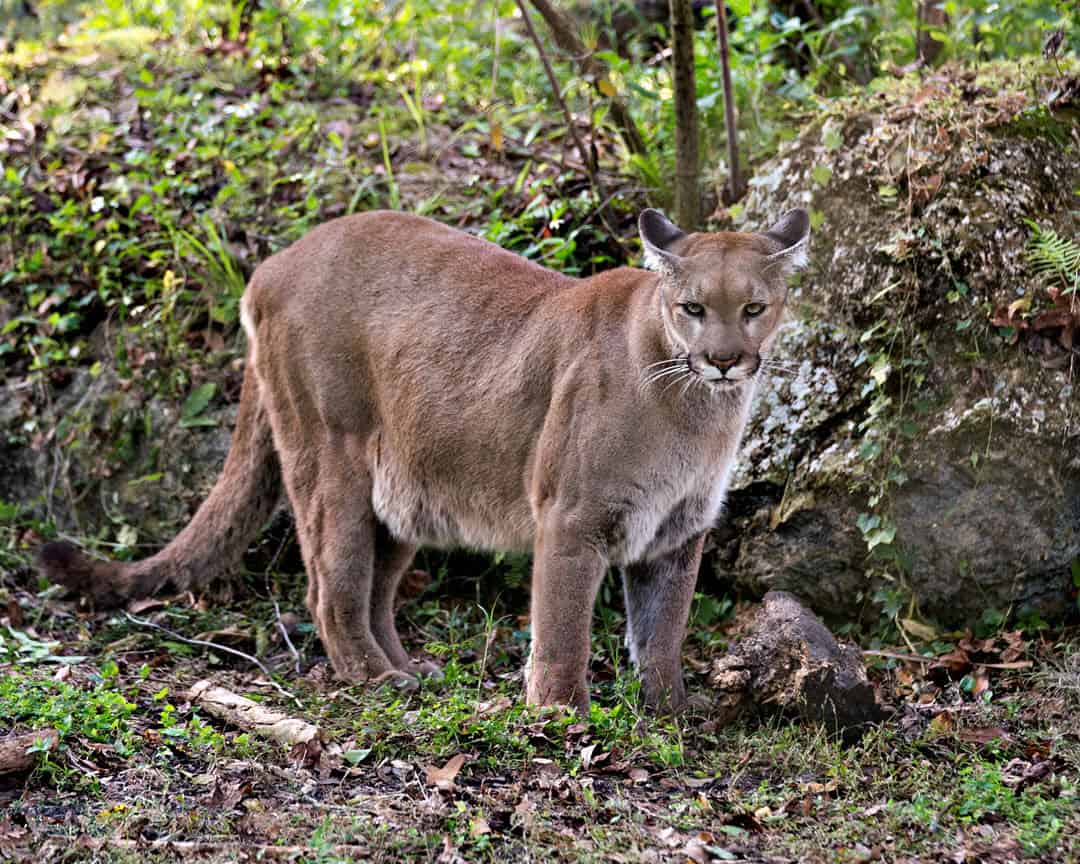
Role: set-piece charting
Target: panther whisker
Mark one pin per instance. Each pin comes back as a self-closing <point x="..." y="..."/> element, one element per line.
<point x="686" y="374"/>
<point x="668" y="361"/>
<point x="652" y="376"/>
<point x="656" y="376"/>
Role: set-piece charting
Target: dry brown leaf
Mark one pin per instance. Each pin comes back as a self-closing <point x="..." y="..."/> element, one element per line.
<point x="982" y="734"/>
<point x="819" y="788"/>
<point x="443" y="778"/>
<point x="982" y="682"/>
<point x="135" y="607"/>
<point x="943" y="723"/>
<point x="1015" y="646"/>
<point x="919" y="630"/>
<point x="493" y="706"/>
<point x="956" y="661"/>
<point x="695" y="851"/>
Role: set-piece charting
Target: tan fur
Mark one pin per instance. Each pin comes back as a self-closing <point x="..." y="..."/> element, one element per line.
<point x="424" y="386"/>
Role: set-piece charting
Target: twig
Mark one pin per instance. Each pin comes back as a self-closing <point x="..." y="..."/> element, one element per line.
<point x="233" y="849"/>
<point x="277" y="609"/>
<point x="594" y="181"/>
<point x="918" y="658"/>
<point x="893" y="655"/>
<point x="142" y="622"/>
<point x="288" y="642"/>
<point x="495" y="56"/>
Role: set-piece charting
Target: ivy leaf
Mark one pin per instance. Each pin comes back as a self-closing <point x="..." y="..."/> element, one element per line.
<point x="195" y="405"/>
<point x="355" y="757"/>
<point x="880" y="370"/>
<point x="867" y="522"/>
<point x="882" y="536"/>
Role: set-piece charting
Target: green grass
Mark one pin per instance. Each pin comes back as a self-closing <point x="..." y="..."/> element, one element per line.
<point x="593" y="787"/>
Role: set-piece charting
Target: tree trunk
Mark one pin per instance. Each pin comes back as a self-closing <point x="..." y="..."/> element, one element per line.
<point x="687" y="200"/>
<point x="736" y="186"/>
<point x="931" y="15"/>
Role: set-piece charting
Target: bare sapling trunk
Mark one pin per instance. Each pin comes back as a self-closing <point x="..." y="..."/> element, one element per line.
<point x="562" y="29"/>
<point x="586" y="156"/>
<point x="736" y="185"/>
<point x="931" y="16"/>
<point x="687" y="199"/>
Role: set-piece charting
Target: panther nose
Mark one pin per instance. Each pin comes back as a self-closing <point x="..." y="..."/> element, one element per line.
<point x="723" y="361"/>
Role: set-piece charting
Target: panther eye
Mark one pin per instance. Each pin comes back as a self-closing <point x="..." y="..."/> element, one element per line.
<point x="752" y="310"/>
<point x="694" y="310"/>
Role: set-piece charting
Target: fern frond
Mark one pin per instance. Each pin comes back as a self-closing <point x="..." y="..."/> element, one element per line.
<point x="1053" y="257"/>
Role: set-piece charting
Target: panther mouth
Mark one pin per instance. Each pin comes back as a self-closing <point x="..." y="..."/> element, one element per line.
<point x="723" y="378"/>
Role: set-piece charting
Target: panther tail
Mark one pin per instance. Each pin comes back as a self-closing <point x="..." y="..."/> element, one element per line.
<point x="213" y="543"/>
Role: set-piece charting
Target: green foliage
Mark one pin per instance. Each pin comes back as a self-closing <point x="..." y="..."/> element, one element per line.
<point x="196" y="403"/>
<point x="1055" y="258"/>
<point x="984" y="795"/>
<point x="98" y="713"/>
<point x="18" y="647"/>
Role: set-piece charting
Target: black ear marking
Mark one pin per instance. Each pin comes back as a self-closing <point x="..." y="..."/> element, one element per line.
<point x="791" y="232"/>
<point x="657" y="230"/>
<point x="659" y="236"/>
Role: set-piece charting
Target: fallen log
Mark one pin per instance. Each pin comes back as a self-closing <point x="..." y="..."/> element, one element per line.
<point x="791" y="664"/>
<point x="14" y="755"/>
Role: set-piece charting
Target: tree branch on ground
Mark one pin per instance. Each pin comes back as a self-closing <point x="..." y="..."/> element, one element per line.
<point x="16" y="755"/>
<point x="253" y="717"/>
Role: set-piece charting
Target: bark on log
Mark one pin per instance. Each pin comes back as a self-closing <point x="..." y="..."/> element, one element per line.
<point x="687" y="199"/>
<point x="14" y="757"/>
<point x="791" y="664"/>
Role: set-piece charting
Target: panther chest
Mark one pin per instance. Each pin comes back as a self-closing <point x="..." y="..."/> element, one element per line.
<point x="661" y="523"/>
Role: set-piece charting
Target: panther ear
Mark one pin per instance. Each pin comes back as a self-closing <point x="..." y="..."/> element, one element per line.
<point x="792" y="234"/>
<point x="661" y="239"/>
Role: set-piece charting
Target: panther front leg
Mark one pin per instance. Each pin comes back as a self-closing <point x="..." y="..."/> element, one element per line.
<point x="567" y="572"/>
<point x="658" y="596"/>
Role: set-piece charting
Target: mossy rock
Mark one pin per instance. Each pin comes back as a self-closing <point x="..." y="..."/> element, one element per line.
<point x="911" y="259"/>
